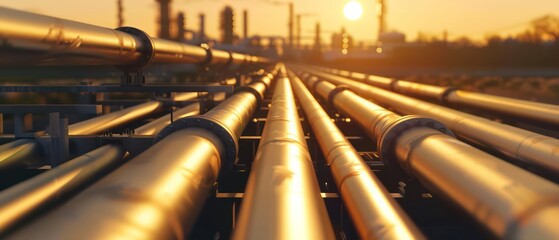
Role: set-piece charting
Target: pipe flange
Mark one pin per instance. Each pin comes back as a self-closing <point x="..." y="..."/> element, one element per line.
<point x="392" y="83"/>
<point x="444" y="96"/>
<point x="227" y="137"/>
<point x="385" y="145"/>
<point x="333" y="93"/>
<point x="313" y="85"/>
<point x="257" y="77"/>
<point x="209" y="55"/>
<point x="258" y="95"/>
<point x="148" y="52"/>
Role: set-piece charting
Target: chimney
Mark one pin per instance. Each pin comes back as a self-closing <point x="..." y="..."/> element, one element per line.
<point x="164" y="21"/>
<point x="202" y="28"/>
<point x="180" y="27"/>
<point x="245" y="24"/>
<point x="120" y="14"/>
<point x="290" y="26"/>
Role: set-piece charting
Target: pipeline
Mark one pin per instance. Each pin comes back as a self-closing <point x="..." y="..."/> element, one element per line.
<point x="374" y="212"/>
<point x="516" y="143"/>
<point x="33" y="39"/>
<point x="23" y="200"/>
<point x="25" y="153"/>
<point x="19" y="154"/>
<point x="282" y="197"/>
<point x="159" y="193"/>
<point x="155" y="126"/>
<point x="111" y="120"/>
<point x="547" y="113"/>
<point x="509" y="201"/>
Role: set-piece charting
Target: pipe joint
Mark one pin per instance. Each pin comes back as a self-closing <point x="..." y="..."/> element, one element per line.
<point x="333" y="93"/>
<point x="259" y="77"/>
<point x="259" y="97"/>
<point x="392" y="84"/>
<point x="386" y="143"/>
<point x="226" y="135"/>
<point x="315" y="81"/>
<point x="147" y="51"/>
<point x="443" y="98"/>
<point x="209" y="55"/>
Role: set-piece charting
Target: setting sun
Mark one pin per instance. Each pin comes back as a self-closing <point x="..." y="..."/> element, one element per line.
<point x="353" y="10"/>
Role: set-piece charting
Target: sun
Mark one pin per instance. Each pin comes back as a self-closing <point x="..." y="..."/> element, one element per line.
<point x="353" y="10"/>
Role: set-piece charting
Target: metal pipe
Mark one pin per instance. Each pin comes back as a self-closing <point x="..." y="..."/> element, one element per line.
<point x="155" y="126"/>
<point x="108" y="121"/>
<point x="19" y="154"/>
<point x="159" y="193"/>
<point x="33" y="39"/>
<point x="374" y="212"/>
<point x="282" y="197"/>
<point x="21" y="201"/>
<point x="542" y="112"/>
<point x="511" y="202"/>
<point x="517" y="143"/>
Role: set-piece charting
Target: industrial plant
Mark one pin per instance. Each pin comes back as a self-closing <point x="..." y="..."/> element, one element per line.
<point x="201" y="133"/>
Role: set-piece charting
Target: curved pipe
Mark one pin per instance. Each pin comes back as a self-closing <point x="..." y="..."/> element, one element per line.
<point x="542" y="112"/>
<point x="156" y="195"/>
<point x="25" y="199"/>
<point x="374" y="212"/>
<point x="282" y="197"/>
<point x="33" y="39"/>
<point x="511" y="202"/>
<point x="517" y="143"/>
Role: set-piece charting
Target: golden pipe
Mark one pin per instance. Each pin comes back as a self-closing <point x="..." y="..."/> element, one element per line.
<point x="155" y="126"/>
<point x="19" y="154"/>
<point x="511" y="202"/>
<point x="156" y="195"/>
<point x="159" y="193"/>
<point x="282" y="197"/>
<point x="375" y="214"/>
<point x="108" y="121"/>
<point x="542" y="112"/>
<point x="514" y="142"/>
<point x="33" y="39"/>
<point x="21" y="201"/>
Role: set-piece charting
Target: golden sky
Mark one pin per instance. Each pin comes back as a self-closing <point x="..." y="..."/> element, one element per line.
<point x="473" y="18"/>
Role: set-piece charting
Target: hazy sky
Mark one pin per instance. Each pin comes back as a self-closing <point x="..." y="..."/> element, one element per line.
<point x="474" y="18"/>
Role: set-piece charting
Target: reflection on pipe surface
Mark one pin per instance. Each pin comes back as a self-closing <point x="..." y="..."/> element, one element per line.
<point x="159" y="193"/>
<point x="33" y="39"/>
<point x="111" y="120"/>
<point x="517" y="143"/>
<point x="21" y="153"/>
<point x="547" y="113"/>
<point x="21" y="200"/>
<point x="282" y="197"/>
<point x="374" y="212"/>
<point x="155" y="126"/>
<point x="509" y="201"/>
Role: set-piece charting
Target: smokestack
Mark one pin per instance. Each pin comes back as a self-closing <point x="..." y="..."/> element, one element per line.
<point x="298" y="31"/>
<point x="290" y="45"/>
<point x="245" y="24"/>
<point x="317" y="45"/>
<point x="164" y="22"/>
<point x="202" y="28"/>
<point x="120" y="15"/>
<point x="381" y="11"/>
<point x="227" y="25"/>
<point x="180" y="27"/>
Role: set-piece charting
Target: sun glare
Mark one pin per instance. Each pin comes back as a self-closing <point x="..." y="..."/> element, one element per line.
<point x="353" y="10"/>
